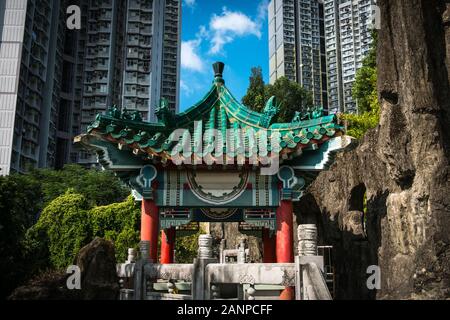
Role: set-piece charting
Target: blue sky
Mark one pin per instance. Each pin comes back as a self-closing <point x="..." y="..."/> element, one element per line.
<point x="232" y="31"/>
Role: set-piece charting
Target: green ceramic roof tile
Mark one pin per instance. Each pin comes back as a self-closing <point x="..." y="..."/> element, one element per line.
<point x="218" y="110"/>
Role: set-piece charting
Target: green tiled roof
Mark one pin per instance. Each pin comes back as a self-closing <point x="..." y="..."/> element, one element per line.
<point x="218" y="110"/>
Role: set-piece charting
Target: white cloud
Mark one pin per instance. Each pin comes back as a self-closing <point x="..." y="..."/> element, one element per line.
<point x="229" y="25"/>
<point x="189" y="3"/>
<point x="263" y="11"/>
<point x="190" y="59"/>
<point x="187" y="91"/>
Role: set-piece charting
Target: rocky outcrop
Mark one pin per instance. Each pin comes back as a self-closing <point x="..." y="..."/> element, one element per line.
<point x="401" y="168"/>
<point x="97" y="263"/>
<point x="98" y="278"/>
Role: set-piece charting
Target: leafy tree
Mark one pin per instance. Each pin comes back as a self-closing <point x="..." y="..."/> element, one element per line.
<point x="62" y="230"/>
<point x="18" y="209"/>
<point x="22" y="199"/>
<point x="68" y="223"/>
<point x="365" y="92"/>
<point x="365" y="87"/>
<point x="290" y="95"/>
<point x="118" y="222"/>
<point x="359" y="124"/>
<point x="256" y="97"/>
<point x="98" y="187"/>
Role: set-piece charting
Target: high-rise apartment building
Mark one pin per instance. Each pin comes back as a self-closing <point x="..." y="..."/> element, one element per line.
<point x="131" y="58"/>
<point x="31" y="65"/>
<point x="297" y="45"/>
<point x="348" y="40"/>
<point x="152" y="48"/>
<point x="53" y="81"/>
<point x="321" y="45"/>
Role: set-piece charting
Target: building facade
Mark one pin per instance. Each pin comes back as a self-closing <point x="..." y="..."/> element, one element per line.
<point x="321" y="45"/>
<point x="53" y="81"/>
<point x="297" y="45"/>
<point x="31" y="55"/>
<point x="131" y="58"/>
<point x="348" y="39"/>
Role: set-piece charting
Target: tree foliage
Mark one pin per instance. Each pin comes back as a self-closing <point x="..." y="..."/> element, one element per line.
<point x="18" y="210"/>
<point x="186" y="248"/>
<point x="359" y="124"/>
<point x="256" y="96"/>
<point x="98" y="187"/>
<point x="118" y="222"/>
<point x="290" y="95"/>
<point x="62" y="230"/>
<point x="365" y="92"/>
<point x="68" y="223"/>
<point x="68" y="218"/>
<point x="365" y="87"/>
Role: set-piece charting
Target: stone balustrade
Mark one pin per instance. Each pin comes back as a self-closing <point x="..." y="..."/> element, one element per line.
<point x="206" y="276"/>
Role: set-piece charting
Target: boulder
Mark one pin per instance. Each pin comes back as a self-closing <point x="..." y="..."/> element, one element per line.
<point x="97" y="263"/>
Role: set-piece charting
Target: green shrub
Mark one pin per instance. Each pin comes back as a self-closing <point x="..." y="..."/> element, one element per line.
<point x="62" y="230"/>
<point x="118" y="222"/>
<point x="358" y="124"/>
<point x="67" y="224"/>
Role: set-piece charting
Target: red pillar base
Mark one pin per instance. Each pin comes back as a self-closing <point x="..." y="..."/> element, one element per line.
<point x="269" y="255"/>
<point x="150" y="226"/>
<point x="285" y="241"/>
<point x="167" y="245"/>
<point x="287" y="294"/>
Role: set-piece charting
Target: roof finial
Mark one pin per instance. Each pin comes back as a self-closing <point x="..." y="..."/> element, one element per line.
<point x="218" y="69"/>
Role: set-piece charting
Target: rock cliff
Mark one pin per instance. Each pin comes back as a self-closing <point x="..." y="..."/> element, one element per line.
<point x="387" y="202"/>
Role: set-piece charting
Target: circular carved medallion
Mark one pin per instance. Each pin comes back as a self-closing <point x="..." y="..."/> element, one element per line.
<point x="218" y="188"/>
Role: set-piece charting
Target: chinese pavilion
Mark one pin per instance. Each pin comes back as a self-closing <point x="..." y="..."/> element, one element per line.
<point x="216" y="162"/>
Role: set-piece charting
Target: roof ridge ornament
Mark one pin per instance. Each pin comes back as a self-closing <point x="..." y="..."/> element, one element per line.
<point x="164" y="114"/>
<point x="313" y="113"/>
<point x="270" y="111"/>
<point x="124" y="114"/>
<point x="218" y="68"/>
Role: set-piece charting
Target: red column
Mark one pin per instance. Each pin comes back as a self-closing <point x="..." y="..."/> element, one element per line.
<point x="284" y="240"/>
<point x="268" y="246"/>
<point x="167" y="245"/>
<point x="150" y="226"/>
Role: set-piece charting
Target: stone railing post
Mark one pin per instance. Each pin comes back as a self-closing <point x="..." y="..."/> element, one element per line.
<point x="126" y="273"/>
<point x="307" y="256"/>
<point x="201" y="289"/>
<point x="205" y="246"/>
<point x="140" y="281"/>
<point x="144" y="249"/>
<point x="307" y="240"/>
<point x="223" y="246"/>
<point x="131" y="255"/>
<point x="241" y="257"/>
<point x="307" y="247"/>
